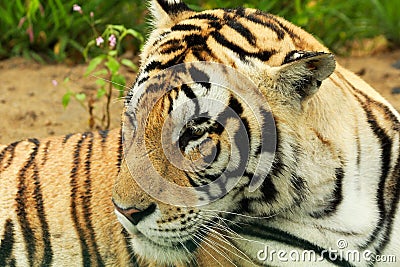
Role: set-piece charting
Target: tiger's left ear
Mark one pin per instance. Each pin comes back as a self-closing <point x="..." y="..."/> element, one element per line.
<point x="166" y="13"/>
<point x="302" y="73"/>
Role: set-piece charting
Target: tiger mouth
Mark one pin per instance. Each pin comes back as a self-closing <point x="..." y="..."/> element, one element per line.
<point x="188" y="245"/>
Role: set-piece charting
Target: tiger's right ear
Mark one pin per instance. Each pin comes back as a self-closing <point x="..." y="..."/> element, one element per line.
<point x="302" y="73"/>
<point x="166" y="13"/>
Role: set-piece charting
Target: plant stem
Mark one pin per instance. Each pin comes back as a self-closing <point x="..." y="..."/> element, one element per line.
<point x="108" y="114"/>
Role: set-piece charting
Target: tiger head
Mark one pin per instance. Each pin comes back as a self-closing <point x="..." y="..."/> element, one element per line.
<point x="202" y="124"/>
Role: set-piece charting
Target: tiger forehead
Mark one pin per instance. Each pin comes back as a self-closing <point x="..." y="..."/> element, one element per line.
<point x="247" y="32"/>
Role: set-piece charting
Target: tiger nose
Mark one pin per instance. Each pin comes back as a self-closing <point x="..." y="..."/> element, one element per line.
<point x="135" y="215"/>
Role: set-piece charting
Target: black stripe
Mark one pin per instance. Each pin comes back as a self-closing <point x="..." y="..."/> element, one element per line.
<point x="66" y="138"/>
<point x="75" y="197"/>
<point x="144" y="79"/>
<point x="21" y="200"/>
<point x="160" y="38"/>
<point x="215" y="176"/>
<point x="7" y="243"/>
<point x="9" y="149"/>
<point x="335" y="199"/>
<point x="171" y="46"/>
<point x="120" y="150"/>
<point x="153" y="65"/>
<point x="274" y="234"/>
<point x="268" y="190"/>
<point x="129" y="95"/>
<point x="242" y="30"/>
<point x="235" y="105"/>
<point x="195" y="40"/>
<point x="268" y="187"/>
<point x="185" y="27"/>
<point x="264" y="55"/>
<point x="191" y="181"/>
<point x="205" y="16"/>
<point x="279" y="32"/>
<point x="173" y="62"/>
<point x="173" y="8"/>
<point x="394" y="206"/>
<point x="234" y="110"/>
<point x="189" y="94"/>
<point x="244" y="206"/>
<point x="269" y="133"/>
<point x="188" y="91"/>
<point x="86" y="203"/>
<point x="38" y="196"/>
<point x="386" y="148"/>
<point x="300" y="185"/>
<point x="200" y="77"/>
<point x="275" y="19"/>
<point x="240" y="11"/>
<point x="104" y="135"/>
<point x="171" y="102"/>
<point x="45" y="153"/>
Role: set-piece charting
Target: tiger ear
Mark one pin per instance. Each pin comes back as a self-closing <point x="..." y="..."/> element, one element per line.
<point x="302" y="73"/>
<point x="167" y="12"/>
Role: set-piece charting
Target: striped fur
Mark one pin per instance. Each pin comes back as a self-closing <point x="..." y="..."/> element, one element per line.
<point x="335" y="173"/>
<point x="55" y="202"/>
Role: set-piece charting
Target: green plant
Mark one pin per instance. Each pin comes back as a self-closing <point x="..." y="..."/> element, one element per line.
<point x="52" y="31"/>
<point x="105" y="67"/>
<point x="387" y="16"/>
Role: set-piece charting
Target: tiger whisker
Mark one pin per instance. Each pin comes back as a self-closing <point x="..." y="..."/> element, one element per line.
<point x="224" y="220"/>
<point x="109" y="81"/>
<point x="243" y="215"/>
<point x="212" y="244"/>
<point x="231" y="249"/>
<point x="199" y="244"/>
<point x="187" y="250"/>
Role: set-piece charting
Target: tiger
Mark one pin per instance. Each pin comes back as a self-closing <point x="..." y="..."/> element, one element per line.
<point x="243" y="137"/>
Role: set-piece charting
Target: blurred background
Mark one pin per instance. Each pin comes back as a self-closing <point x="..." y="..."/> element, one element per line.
<point x="52" y="31"/>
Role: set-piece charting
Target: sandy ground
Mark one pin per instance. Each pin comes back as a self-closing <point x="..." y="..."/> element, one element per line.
<point x="30" y="102"/>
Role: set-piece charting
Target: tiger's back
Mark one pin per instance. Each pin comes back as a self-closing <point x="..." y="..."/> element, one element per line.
<point x="55" y="201"/>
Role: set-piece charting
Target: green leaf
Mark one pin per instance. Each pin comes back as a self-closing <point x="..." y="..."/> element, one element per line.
<point x="119" y="83"/>
<point x="80" y="97"/>
<point x="129" y="64"/>
<point x="101" y="92"/>
<point x="113" y="53"/>
<point x="66" y="98"/>
<point x="100" y="82"/>
<point x="100" y="72"/>
<point x="93" y="64"/>
<point x="135" y="34"/>
<point x="112" y="64"/>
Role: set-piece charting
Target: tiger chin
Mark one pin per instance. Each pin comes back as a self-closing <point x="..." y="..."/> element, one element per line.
<point x="293" y="153"/>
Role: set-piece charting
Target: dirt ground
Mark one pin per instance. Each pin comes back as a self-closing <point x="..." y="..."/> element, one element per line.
<point x="30" y="94"/>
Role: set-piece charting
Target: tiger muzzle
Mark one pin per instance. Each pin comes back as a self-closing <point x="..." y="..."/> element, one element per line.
<point x="135" y="215"/>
